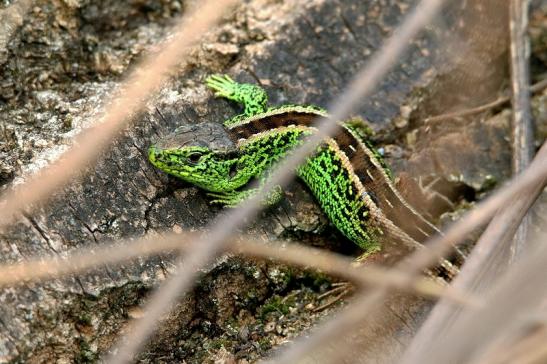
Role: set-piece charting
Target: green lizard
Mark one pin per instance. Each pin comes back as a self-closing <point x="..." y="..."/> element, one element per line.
<point x="347" y="176"/>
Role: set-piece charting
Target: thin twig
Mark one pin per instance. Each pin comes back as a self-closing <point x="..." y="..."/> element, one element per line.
<point x="339" y="266"/>
<point x="523" y="124"/>
<point x="144" y="80"/>
<point x="519" y="292"/>
<point x="535" y="176"/>
<point x="184" y="277"/>
<point x="537" y="87"/>
<point x="441" y="315"/>
<point x="343" y="292"/>
<point x="333" y="291"/>
<point x="85" y="259"/>
<point x="487" y="262"/>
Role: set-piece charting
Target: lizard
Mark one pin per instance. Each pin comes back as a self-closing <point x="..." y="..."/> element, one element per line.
<point x="347" y="175"/>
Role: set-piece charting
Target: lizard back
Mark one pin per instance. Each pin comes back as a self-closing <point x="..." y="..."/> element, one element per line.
<point x="370" y="182"/>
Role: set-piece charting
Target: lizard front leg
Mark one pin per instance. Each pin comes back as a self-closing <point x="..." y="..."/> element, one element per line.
<point x="253" y="98"/>
<point x="234" y="198"/>
<point x="230" y="198"/>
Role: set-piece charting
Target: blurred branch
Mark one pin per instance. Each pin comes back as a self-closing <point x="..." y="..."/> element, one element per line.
<point x="369" y="275"/>
<point x="530" y="348"/>
<point x="85" y="259"/>
<point x="144" y="80"/>
<point x="487" y="262"/>
<point x="520" y="292"/>
<point x="523" y="124"/>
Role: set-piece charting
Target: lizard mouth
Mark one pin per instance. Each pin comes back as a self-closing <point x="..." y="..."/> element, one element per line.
<point x="159" y="158"/>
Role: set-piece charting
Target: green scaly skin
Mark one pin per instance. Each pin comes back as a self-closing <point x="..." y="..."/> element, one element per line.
<point x="347" y="175"/>
<point x="254" y="99"/>
<point x="226" y="173"/>
<point x="225" y="170"/>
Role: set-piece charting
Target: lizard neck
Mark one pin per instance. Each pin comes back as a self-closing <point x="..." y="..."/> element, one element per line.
<point x="365" y="169"/>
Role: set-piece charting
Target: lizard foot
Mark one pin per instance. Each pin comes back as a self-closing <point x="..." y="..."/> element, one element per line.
<point x="223" y="85"/>
<point x="253" y="98"/>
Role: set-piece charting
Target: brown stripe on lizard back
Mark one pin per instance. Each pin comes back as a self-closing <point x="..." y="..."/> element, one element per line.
<point x="271" y="122"/>
<point x="372" y="176"/>
<point x="377" y="183"/>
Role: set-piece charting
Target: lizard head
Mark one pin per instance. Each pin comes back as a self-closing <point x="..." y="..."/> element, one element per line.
<point x="201" y="154"/>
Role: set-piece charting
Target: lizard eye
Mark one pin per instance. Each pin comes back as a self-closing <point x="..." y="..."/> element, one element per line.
<point x="194" y="157"/>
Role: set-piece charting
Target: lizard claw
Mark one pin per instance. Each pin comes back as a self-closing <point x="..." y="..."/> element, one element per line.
<point x="221" y="94"/>
<point x="225" y="203"/>
<point x="223" y="84"/>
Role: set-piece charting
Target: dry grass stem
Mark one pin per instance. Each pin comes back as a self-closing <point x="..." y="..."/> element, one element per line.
<point x="370" y="275"/>
<point x="521" y="288"/>
<point x="488" y="261"/>
<point x="520" y="291"/>
<point x="86" y="259"/>
<point x="530" y="349"/>
<point x="523" y="124"/>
